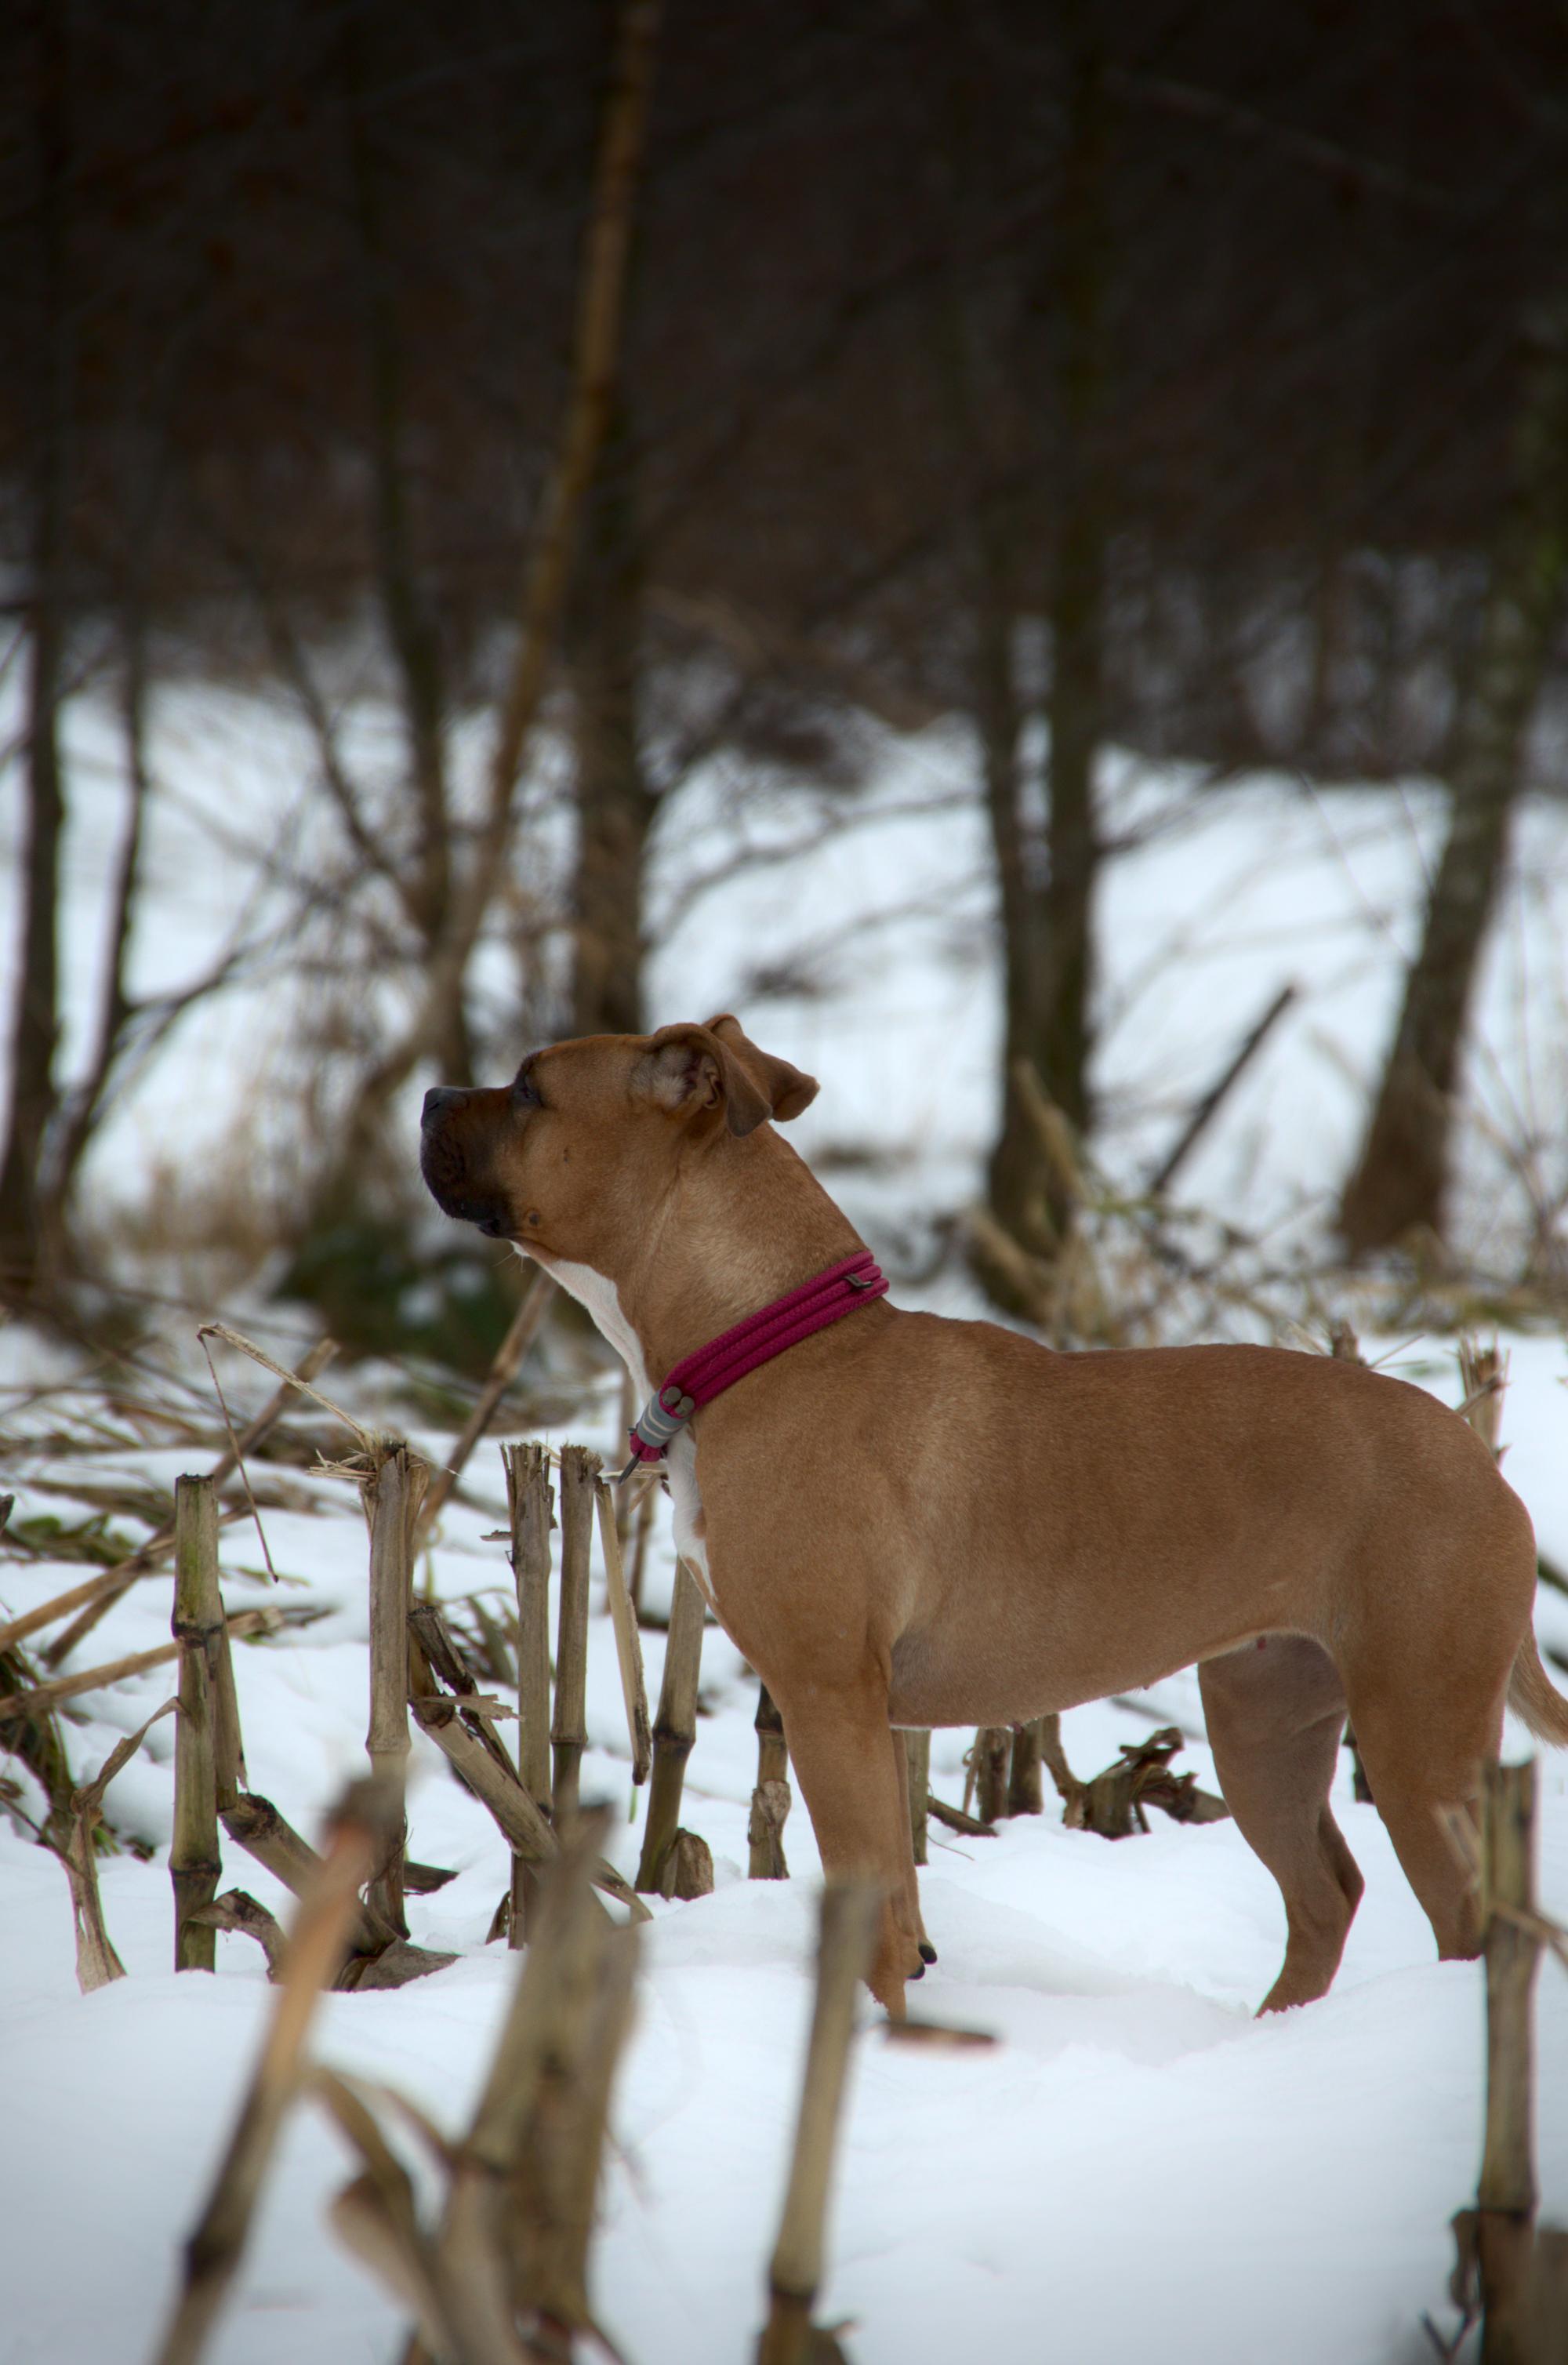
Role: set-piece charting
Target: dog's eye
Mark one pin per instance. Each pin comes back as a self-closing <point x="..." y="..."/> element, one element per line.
<point x="525" y="1093"/>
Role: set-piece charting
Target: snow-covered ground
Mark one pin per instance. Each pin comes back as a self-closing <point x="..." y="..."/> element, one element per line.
<point x="1138" y="2167"/>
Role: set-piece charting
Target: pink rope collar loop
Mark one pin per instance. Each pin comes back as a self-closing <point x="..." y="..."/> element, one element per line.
<point x="699" y="1378"/>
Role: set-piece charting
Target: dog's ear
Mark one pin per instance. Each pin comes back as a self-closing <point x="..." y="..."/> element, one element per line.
<point x="691" y="1070"/>
<point x="785" y="1089"/>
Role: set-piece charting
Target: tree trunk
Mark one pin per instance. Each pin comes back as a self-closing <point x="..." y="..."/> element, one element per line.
<point x="615" y="806"/>
<point x="1401" y="1182"/>
<point x="80" y="1115"/>
<point x="411" y="628"/>
<point x="1050" y="976"/>
<point x="35" y="1022"/>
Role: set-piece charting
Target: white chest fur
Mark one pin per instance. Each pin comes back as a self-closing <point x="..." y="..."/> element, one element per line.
<point x="599" y="1297"/>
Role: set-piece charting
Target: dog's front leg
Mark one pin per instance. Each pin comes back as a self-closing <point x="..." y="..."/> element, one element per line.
<point x="842" y="1750"/>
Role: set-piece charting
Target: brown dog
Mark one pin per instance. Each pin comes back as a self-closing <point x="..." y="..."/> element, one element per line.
<point x="910" y="1522"/>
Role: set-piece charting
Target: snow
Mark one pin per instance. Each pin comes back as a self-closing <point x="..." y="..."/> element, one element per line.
<point x="1138" y="2165"/>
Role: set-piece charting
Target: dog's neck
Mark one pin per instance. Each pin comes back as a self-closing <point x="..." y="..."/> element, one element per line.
<point x="738" y="1227"/>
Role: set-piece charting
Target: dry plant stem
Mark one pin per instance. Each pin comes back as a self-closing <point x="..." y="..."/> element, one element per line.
<point x="994" y="1749"/>
<point x="1069" y="1788"/>
<point x="956" y="1819"/>
<point x="1483" y="1376"/>
<point x="568" y="1729"/>
<point x="495" y="1785"/>
<point x="849" y="1911"/>
<point x="105" y="1591"/>
<point x="41" y="1697"/>
<point x="675" y="1727"/>
<point x="647" y="1504"/>
<point x="486" y="2252"/>
<point x="1506" y="2195"/>
<point x="917" y="1750"/>
<point x="392" y="1497"/>
<point x="497" y="1788"/>
<point x="238" y="1912"/>
<point x="71" y="1837"/>
<point x="529" y="1501"/>
<point x="194" y="1861"/>
<point x="628" y="1646"/>
<point x="771" y="1801"/>
<point x="196" y="1565"/>
<point x="255" y="1824"/>
<point x="1026" y="1792"/>
<point x="1209" y="1107"/>
<point x="101" y="1593"/>
<point x="316" y="1948"/>
<point x="523" y="1330"/>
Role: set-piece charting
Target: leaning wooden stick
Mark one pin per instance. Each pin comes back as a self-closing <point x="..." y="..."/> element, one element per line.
<point x="568" y="1729"/>
<point x="675" y="1727"/>
<point x="100" y="1594"/>
<point x="1505" y="2196"/>
<point x="316" y="1948"/>
<point x="770" y="1801"/>
<point x="628" y="1644"/>
<point x="194" y="1861"/>
<point x="849" y="1911"/>
<point x="392" y="1494"/>
<point x="525" y="1326"/>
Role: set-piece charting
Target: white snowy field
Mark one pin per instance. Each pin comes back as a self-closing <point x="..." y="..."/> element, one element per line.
<point x="1139" y="2167"/>
<point x="1140" y="2164"/>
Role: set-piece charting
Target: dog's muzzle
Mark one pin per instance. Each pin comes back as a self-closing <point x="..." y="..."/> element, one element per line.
<point x="445" y="1168"/>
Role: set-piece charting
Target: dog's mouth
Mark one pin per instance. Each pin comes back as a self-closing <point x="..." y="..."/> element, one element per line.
<point x="449" y="1185"/>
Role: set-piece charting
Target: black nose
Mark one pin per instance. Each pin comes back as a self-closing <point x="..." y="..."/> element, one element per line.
<point x="440" y="1096"/>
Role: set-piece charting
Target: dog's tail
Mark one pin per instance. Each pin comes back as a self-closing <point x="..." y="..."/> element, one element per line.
<point x="1534" y="1698"/>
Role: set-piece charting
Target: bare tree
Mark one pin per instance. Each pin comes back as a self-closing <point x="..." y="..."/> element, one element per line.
<point x="35" y="1023"/>
<point x="1401" y="1179"/>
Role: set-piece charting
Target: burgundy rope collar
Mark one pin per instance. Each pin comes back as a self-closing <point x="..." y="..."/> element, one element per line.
<point x="697" y="1379"/>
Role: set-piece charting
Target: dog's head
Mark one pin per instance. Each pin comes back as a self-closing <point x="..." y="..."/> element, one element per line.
<point x="576" y="1148"/>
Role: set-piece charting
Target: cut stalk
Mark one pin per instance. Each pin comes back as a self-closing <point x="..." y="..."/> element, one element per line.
<point x="392" y="1494"/>
<point x="1505" y="2196"/>
<point x="849" y="1911"/>
<point x="770" y="1801"/>
<point x="568" y="1729"/>
<point x="194" y="1861"/>
<point x="994" y="1749"/>
<point x="675" y="1727"/>
<point x="316" y="1947"/>
<point x="530" y="1500"/>
<point x="628" y="1644"/>
<point x="917" y="1754"/>
<point x="1025" y="1788"/>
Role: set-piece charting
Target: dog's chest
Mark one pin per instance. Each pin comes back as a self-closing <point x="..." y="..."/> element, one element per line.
<point x="602" y="1301"/>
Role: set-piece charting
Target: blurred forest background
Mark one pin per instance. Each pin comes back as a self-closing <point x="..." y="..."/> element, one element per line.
<point x="586" y="392"/>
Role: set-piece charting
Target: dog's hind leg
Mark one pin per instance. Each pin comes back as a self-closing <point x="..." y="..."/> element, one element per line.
<point x="1275" y="1712"/>
<point x="1423" y="1752"/>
